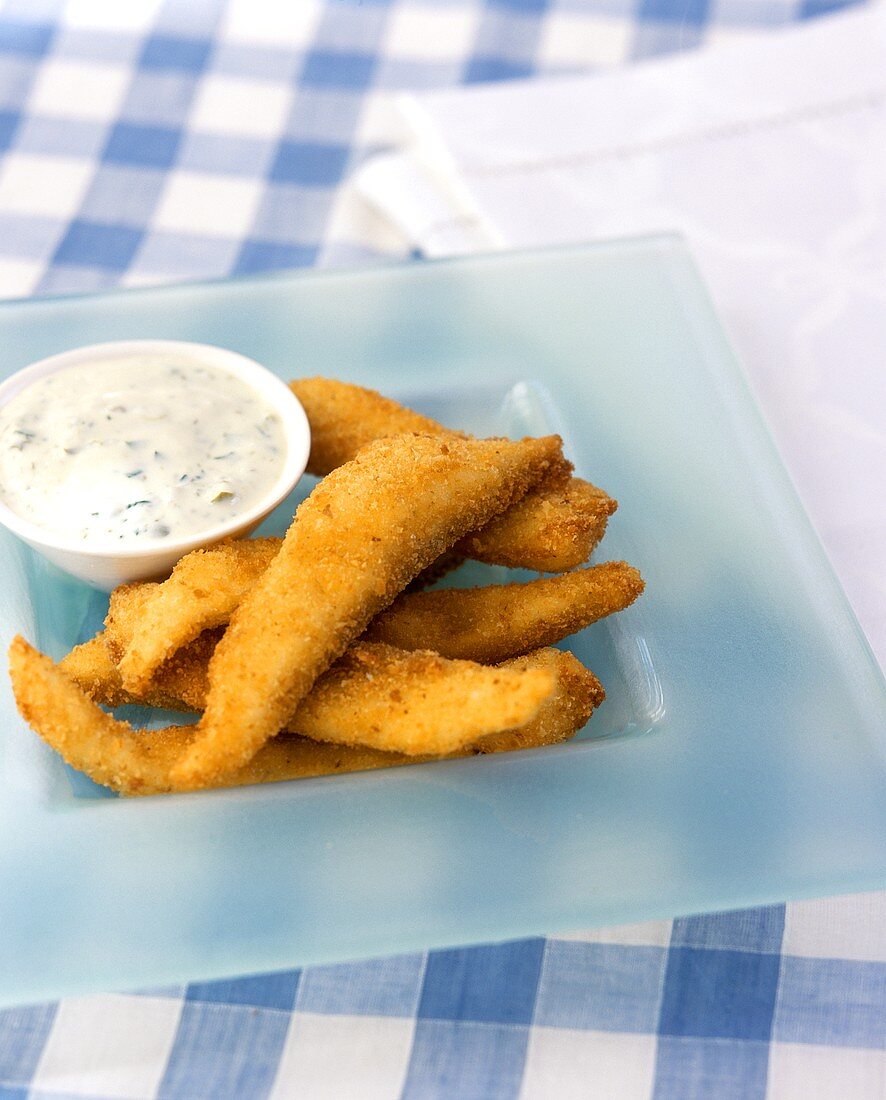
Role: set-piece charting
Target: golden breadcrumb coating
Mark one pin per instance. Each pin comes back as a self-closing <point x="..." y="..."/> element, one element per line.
<point x="138" y="763"/>
<point x="555" y="527"/>
<point x="366" y="530"/>
<point x="202" y="592"/>
<point x="491" y="623"/>
<point x="484" y="624"/>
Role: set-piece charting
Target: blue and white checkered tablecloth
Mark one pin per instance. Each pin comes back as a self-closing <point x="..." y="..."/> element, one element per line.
<point x="144" y="142"/>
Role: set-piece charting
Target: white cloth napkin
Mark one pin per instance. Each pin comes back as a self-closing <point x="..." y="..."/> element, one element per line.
<point x="770" y="156"/>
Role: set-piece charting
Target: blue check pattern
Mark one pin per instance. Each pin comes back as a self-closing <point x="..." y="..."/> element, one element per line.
<point x="151" y="141"/>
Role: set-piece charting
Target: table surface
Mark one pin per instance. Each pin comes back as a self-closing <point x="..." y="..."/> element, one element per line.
<point x="148" y="142"/>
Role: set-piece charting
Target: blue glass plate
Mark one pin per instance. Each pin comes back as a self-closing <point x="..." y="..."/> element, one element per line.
<point x="740" y="757"/>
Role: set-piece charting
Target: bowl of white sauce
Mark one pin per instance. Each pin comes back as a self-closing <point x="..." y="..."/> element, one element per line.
<point x="116" y="459"/>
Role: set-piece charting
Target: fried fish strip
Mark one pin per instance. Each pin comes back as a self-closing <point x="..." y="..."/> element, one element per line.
<point x="486" y="624"/>
<point x="552" y="530"/>
<point x="577" y="695"/>
<point x="112" y="753"/>
<point x="360" y="537"/>
<point x="90" y="666"/>
<point x="345" y="418"/>
<point x="555" y="527"/>
<point x="376" y="695"/>
<point x="492" y="623"/>
<point x="202" y="592"/>
<point x="148" y="622"/>
<point x="180" y="683"/>
<point x="417" y="703"/>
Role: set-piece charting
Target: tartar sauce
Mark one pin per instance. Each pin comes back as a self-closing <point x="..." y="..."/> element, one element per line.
<point x="147" y="447"/>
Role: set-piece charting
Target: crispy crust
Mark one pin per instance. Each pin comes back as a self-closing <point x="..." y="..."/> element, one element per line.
<point x="376" y="695"/>
<point x="345" y="418"/>
<point x="203" y="590"/>
<point x="478" y="624"/>
<point x="486" y="624"/>
<point x="555" y="527"/>
<point x="552" y="529"/>
<point x="362" y="535"/>
<point x="110" y="752"/>
<point x="499" y="621"/>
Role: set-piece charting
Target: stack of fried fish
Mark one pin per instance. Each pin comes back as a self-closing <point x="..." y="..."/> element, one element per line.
<point x="321" y="652"/>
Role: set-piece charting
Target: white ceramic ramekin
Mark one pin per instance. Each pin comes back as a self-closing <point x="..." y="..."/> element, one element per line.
<point x="105" y="566"/>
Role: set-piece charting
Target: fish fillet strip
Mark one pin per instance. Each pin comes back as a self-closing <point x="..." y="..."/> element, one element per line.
<point x="147" y="623"/>
<point x="551" y="530"/>
<point x="202" y="592"/>
<point x="453" y="622"/>
<point x="367" y="529"/>
<point x="131" y="762"/>
<point x="554" y="528"/>
<point x="492" y="623"/>
<point x="376" y="695"/>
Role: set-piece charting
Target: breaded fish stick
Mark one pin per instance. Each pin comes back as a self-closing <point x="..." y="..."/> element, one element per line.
<point x="180" y="684"/>
<point x="551" y="530"/>
<point x="366" y="530"/>
<point x="474" y="624"/>
<point x="555" y="528"/>
<point x="578" y="693"/>
<point x="202" y="592"/>
<point x="376" y="695"/>
<point x="345" y="418"/>
<point x="492" y="623"/>
<point x="148" y="622"/>
<point x="113" y="754"/>
<point x="417" y="702"/>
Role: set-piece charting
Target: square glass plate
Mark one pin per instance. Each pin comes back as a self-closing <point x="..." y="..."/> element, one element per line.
<point x="740" y="757"/>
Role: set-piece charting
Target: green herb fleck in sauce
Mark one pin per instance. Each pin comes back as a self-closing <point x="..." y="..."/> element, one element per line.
<point x="75" y="444"/>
